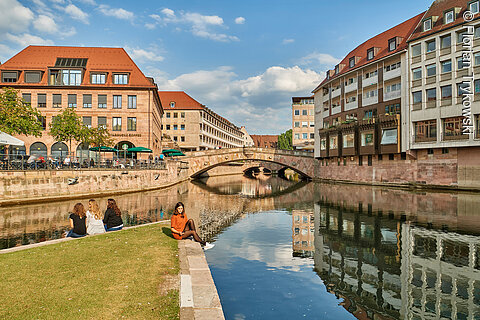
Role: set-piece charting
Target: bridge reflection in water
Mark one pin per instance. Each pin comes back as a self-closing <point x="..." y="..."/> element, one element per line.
<point x="387" y="268"/>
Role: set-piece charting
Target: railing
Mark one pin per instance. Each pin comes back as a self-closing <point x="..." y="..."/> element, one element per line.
<point x="22" y="162"/>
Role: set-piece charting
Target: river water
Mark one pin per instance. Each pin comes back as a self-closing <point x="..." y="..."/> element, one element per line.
<point x="295" y="250"/>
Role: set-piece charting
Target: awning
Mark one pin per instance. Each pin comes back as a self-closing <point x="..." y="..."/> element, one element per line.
<point x="139" y="149"/>
<point x="103" y="149"/>
<point x="6" y="139"/>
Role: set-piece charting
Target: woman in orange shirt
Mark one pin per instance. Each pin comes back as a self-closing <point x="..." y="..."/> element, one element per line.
<point x="181" y="226"/>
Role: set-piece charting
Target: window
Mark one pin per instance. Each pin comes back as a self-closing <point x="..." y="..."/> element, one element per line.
<point x="87" y="100"/>
<point x="312" y="124"/>
<point x="131" y="124"/>
<point x="296" y="112"/>
<point x="370" y="114"/>
<point x="351" y="62"/>
<point x="371" y="74"/>
<point x="349" y="140"/>
<point x="32" y="77"/>
<point x="476" y="58"/>
<point x="182" y="139"/>
<point x="476" y="85"/>
<point x="172" y="104"/>
<point x="102" y="101"/>
<point x="449" y="16"/>
<point x="393" y="67"/>
<point x="182" y="115"/>
<point x="417" y="73"/>
<point x="446" y="91"/>
<point x="98" y="78"/>
<point x="167" y="115"/>
<point x="304" y="112"/>
<point x="175" y="138"/>
<point x="416" y="50"/>
<point x="367" y="139"/>
<point x="431" y="70"/>
<point x="351" y="99"/>
<point x="175" y="127"/>
<point x="474" y="7"/>
<point x="175" y="115"/>
<point x="392" y="44"/>
<point x="463" y="88"/>
<point x="452" y="127"/>
<point x="43" y="120"/>
<point x="167" y="127"/>
<point x="304" y="124"/>
<point x="57" y="100"/>
<point x="370" y="54"/>
<point x="72" y="100"/>
<point x="117" y="102"/>
<point x="445" y="42"/>
<point x="182" y="127"/>
<point x="132" y="102"/>
<point x="120" y="78"/>
<point x="9" y="76"/>
<point x="27" y="97"/>
<point x="446" y="66"/>
<point x="460" y="36"/>
<point x="460" y="64"/>
<point x="71" y="77"/>
<point x="305" y="136"/>
<point x="323" y="144"/>
<point x="476" y="33"/>
<point x="333" y="143"/>
<point x="297" y="136"/>
<point x="427" y="25"/>
<point x="431" y="46"/>
<point x="371" y="94"/>
<point x="431" y="94"/>
<point x="312" y="136"/>
<point x="116" y="124"/>
<point x="41" y="100"/>
<point x="87" y="121"/>
<point x="102" y="122"/>
<point x="296" y="124"/>
<point x="417" y="97"/>
<point x="392" y="109"/>
<point x="394" y="87"/>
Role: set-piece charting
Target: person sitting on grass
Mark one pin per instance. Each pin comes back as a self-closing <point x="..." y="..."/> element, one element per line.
<point x="77" y="222"/>
<point x="182" y="227"/>
<point x="113" y="217"/>
<point x="94" y="218"/>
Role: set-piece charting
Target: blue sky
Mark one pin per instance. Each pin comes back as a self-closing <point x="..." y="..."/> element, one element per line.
<point x="243" y="59"/>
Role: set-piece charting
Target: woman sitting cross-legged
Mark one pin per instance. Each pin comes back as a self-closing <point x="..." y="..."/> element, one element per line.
<point x="94" y="218"/>
<point x="113" y="217"/>
<point x="77" y="222"/>
<point x="182" y="227"/>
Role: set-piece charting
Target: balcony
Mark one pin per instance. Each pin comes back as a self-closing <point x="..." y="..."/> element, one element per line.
<point x="351" y="87"/>
<point x="336" y="93"/>
<point x="392" y="74"/>
<point x="369" y="101"/>
<point x="351" y="105"/>
<point x="325" y="113"/>
<point x="325" y="98"/>
<point x="336" y="110"/>
<point x="392" y="95"/>
<point x="369" y="81"/>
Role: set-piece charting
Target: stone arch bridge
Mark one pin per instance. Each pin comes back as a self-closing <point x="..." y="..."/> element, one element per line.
<point x="202" y="161"/>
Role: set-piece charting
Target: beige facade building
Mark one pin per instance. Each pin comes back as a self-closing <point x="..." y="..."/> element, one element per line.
<point x="195" y="127"/>
<point x="303" y="233"/>
<point x="247" y="139"/>
<point x="104" y="86"/>
<point x="303" y="123"/>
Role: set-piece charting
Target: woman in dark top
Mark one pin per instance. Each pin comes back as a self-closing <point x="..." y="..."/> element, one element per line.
<point x="78" y="222"/>
<point x="113" y="217"/>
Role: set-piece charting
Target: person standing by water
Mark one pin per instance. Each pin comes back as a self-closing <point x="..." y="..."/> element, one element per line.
<point x="94" y="218"/>
<point x="182" y="227"/>
<point x="113" y="217"/>
<point x="78" y="222"/>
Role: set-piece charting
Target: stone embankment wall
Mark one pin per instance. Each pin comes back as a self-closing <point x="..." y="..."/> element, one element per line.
<point x="17" y="187"/>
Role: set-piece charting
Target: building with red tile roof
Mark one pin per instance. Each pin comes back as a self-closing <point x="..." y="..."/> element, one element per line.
<point x="194" y="126"/>
<point x="265" y="141"/>
<point x="104" y="85"/>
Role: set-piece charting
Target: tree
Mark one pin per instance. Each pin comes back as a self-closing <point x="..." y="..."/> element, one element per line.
<point x="67" y="126"/>
<point x="18" y="116"/>
<point x="285" y="140"/>
<point x="97" y="137"/>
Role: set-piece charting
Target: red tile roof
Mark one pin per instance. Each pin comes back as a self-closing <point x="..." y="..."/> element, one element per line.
<point x="262" y="141"/>
<point x="380" y="41"/>
<point x="109" y="60"/>
<point x="438" y="9"/>
<point x="182" y="101"/>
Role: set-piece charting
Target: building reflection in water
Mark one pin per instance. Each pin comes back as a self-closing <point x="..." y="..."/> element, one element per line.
<point x="385" y="266"/>
<point x="303" y="233"/>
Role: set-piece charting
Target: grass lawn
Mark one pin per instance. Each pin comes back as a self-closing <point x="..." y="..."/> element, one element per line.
<point x="128" y="274"/>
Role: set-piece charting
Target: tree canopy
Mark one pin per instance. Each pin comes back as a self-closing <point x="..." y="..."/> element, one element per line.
<point x="285" y="140"/>
<point x="18" y="116"/>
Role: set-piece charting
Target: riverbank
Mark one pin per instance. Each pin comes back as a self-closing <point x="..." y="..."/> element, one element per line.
<point x="130" y="274"/>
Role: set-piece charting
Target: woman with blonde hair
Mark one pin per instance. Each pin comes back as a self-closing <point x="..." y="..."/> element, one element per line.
<point x="94" y="218"/>
<point x="77" y="222"/>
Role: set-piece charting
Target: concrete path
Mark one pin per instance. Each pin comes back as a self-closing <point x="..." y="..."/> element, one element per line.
<point x="198" y="295"/>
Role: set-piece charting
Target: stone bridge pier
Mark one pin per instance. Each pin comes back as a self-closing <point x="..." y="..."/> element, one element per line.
<point x="202" y="161"/>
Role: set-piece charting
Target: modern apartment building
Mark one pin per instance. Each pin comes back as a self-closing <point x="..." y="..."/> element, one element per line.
<point x="303" y="123"/>
<point x="358" y="106"/>
<point x="104" y="85"/>
<point x="195" y="127"/>
<point x="444" y="79"/>
<point x="303" y="233"/>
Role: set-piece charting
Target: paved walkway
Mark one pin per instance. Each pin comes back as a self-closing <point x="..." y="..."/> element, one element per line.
<point x="198" y="295"/>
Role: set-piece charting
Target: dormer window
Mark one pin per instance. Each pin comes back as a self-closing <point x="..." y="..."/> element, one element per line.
<point x="392" y="44"/>
<point x="449" y="17"/>
<point x="9" y="76"/>
<point x="474" y="7"/>
<point x="98" y="78"/>
<point x="120" y="78"/>
<point x="370" y="54"/>
<point x="33" y="76"/>
<point x="427" y="25"/>
<point x="337" y="69"/>
<point x="351" y="62"/>
<point x="172" y="104"/>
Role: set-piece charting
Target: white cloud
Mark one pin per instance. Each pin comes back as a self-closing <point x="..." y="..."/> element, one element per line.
<point x="143" y="55"/>
<point x="45" y="24"/>
<point x="118" y="13"/>
<point x="150" y="26"/>
<point x="90" y="2"/>
<point x="316" y="58"/>
<point x="76" y="13"/>
<point x="6" y="52"/>
<point x="246" y="101"/>
<point x="240" y="20"/>
<point x="26" y="39"/>
<point x="168" y="12"/>
<point x="288" y="41"/>
<point x="14" y="17"/>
